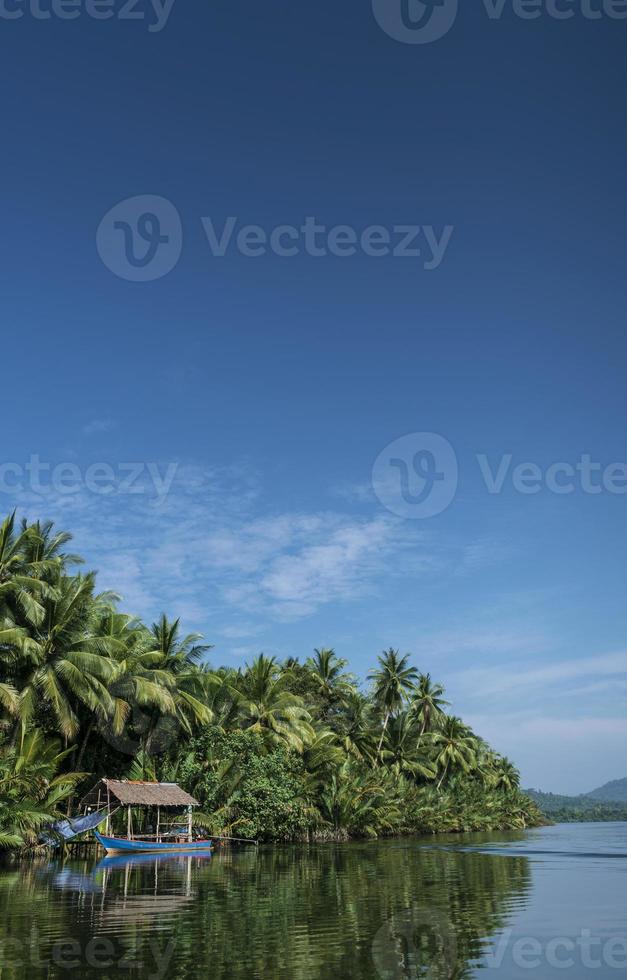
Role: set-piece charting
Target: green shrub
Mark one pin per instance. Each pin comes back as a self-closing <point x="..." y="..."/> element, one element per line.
<point x="252" y="792"/>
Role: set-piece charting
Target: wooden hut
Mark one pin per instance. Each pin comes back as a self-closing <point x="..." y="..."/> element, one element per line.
<point x="113" y="794"/>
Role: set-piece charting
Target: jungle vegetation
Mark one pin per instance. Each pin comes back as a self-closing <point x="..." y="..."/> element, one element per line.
<point x="275" y="750"/>
<point x="578" y="809"/>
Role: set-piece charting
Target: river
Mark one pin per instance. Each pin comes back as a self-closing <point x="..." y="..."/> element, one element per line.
<point x="543" y="903"/>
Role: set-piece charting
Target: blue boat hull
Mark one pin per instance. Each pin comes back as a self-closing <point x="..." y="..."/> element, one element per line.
<point x="118" y="845"/>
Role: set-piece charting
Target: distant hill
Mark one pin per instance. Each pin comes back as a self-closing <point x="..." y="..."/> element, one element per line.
<point x="587" y="807"/>
<point x="616" y="791"/>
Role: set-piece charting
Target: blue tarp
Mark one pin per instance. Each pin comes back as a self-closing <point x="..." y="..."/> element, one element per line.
<point x="71" y="826"/>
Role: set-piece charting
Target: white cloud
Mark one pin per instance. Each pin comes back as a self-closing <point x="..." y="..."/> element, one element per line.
<point x="482" y="553"/>
<point x="205" y="549"/>
<point x="239" y="632"/>
<point x="97" y="426"/>
<point x="495" y="639"/>
<point x="356" y="493"/>
<point x="289" y="566"/>
<point x="499" y="679"/>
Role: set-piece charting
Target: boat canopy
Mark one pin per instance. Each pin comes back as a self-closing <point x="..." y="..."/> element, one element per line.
<point x="71" y="827"/>
<point x="126" y="792"/>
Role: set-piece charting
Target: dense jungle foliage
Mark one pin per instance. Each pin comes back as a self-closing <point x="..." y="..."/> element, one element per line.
<point x="283" y="751"/>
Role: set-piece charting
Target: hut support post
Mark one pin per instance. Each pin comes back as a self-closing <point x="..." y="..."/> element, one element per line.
<point x="158" y="820"/>
<point x="129" y="825"/>
<point x="189" y="823"/>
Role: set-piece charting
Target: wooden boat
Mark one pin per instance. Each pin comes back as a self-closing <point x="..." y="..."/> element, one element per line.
<point x="124" y="845"/>
<point x="151" y="799"/>
<point x="141" y="798"/>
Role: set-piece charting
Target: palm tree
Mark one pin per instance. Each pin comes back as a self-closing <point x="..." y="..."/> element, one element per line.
<point x="42" y="549"/>
<point x="223" y="698"/>
<point x="507" y="776"/>
<point x="137" y="682"/>
<point x="400" y="750"/>
<point x="327" y="670"/>
<point x="427" y="701"/>
<point x="11" y="645"/>
<point x="179" y="652"/>
<point x="9" y="698"/>
<point x="181" y="657"/>
<point x="393" y="679"/>
<point x="31" y="789"/>
<point x="322" y="753"/>
<point x="65" y="669"/>
<point x="269" y="708"/>
<point x="355" y="726"/>
<point x="359" y="803"/>
<point x="21" y="587"/>
<point x="455" y="747"/>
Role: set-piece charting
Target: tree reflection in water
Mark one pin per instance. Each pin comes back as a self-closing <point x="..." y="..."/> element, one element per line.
<point x="390" y="909"/>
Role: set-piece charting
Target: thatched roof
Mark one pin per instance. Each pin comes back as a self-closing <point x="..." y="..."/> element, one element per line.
<point x="135" y="793"/>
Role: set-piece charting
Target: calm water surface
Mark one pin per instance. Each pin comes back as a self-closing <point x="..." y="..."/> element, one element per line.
<point x="545" y="903"/>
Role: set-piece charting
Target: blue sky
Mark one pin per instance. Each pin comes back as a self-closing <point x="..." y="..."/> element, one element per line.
<point x="260" y="391"/>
